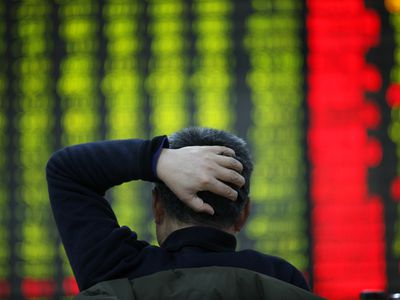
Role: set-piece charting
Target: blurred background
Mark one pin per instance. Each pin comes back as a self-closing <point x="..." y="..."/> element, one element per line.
<point x="313" y="86"/>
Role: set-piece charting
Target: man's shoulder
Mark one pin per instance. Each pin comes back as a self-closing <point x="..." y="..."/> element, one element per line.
<point x="275" y="266"/>
<point x="260" y="257"/>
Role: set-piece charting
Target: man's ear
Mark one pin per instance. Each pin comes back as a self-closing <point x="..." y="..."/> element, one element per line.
<point x="157" y="206"/>
<point x="243" y="216"/>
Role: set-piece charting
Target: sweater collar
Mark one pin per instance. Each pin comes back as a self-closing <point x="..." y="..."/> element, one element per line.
<point x="203" y="237"/>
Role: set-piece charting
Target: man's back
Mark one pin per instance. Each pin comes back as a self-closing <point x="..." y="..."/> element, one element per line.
<point x="211" y="283"/>
<point x="204" y="246"/>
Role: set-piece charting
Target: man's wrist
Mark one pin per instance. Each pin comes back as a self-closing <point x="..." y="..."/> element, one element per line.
<point x="162" y="163"/>
<point x="163" y="144"/>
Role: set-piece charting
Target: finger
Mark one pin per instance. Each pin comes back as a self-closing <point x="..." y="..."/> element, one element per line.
<point x="217" y="187"/>
<point x="198" y="205"/>
<point x="229" y="176"/>
<point x="222" y="150"/>
<point x="229" y="162"/>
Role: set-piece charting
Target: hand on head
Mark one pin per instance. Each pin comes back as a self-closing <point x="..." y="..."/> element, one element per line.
<point x="189" y="170"/>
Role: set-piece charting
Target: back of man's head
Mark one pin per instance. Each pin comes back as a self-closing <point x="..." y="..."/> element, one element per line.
<point x="226" y="211"/>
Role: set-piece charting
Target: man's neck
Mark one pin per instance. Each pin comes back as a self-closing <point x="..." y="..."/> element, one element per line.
<point x="171" y="225"/>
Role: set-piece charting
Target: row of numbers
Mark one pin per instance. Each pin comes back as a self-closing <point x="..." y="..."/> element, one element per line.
<point x="347" y="220"/>
<point x="213" y="63"/>
<point x="34" y="95"/>
<point x="77" y="85"/>
<point x="275" y="49"/>
<point x="122" y="87"/>
<point x="166" y="82"/>
<point x="4" y="141"/>
<point x="393" y="99"/>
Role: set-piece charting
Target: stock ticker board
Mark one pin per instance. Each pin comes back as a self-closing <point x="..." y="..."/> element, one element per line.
<point x="314" y="87"/>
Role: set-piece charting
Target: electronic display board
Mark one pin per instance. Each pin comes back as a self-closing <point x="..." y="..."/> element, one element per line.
<point x="347" y="220"/>
<point x="313" y="86"/>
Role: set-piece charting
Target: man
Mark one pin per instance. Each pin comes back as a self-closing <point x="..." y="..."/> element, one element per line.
<point x="200" y="200"/>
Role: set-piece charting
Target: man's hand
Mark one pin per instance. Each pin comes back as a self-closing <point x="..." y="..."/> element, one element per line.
<point x="189" y="170"/>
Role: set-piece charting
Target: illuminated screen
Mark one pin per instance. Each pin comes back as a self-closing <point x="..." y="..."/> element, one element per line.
<point x="313" y="86"/>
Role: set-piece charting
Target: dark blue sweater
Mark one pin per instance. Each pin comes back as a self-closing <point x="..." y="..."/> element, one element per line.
<point x="99" y="249"/>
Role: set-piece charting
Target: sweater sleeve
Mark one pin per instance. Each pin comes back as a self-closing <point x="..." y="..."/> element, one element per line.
<point x="78" y="177"/>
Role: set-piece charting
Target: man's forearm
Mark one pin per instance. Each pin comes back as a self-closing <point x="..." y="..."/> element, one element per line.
<point x="101" y="165"/>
